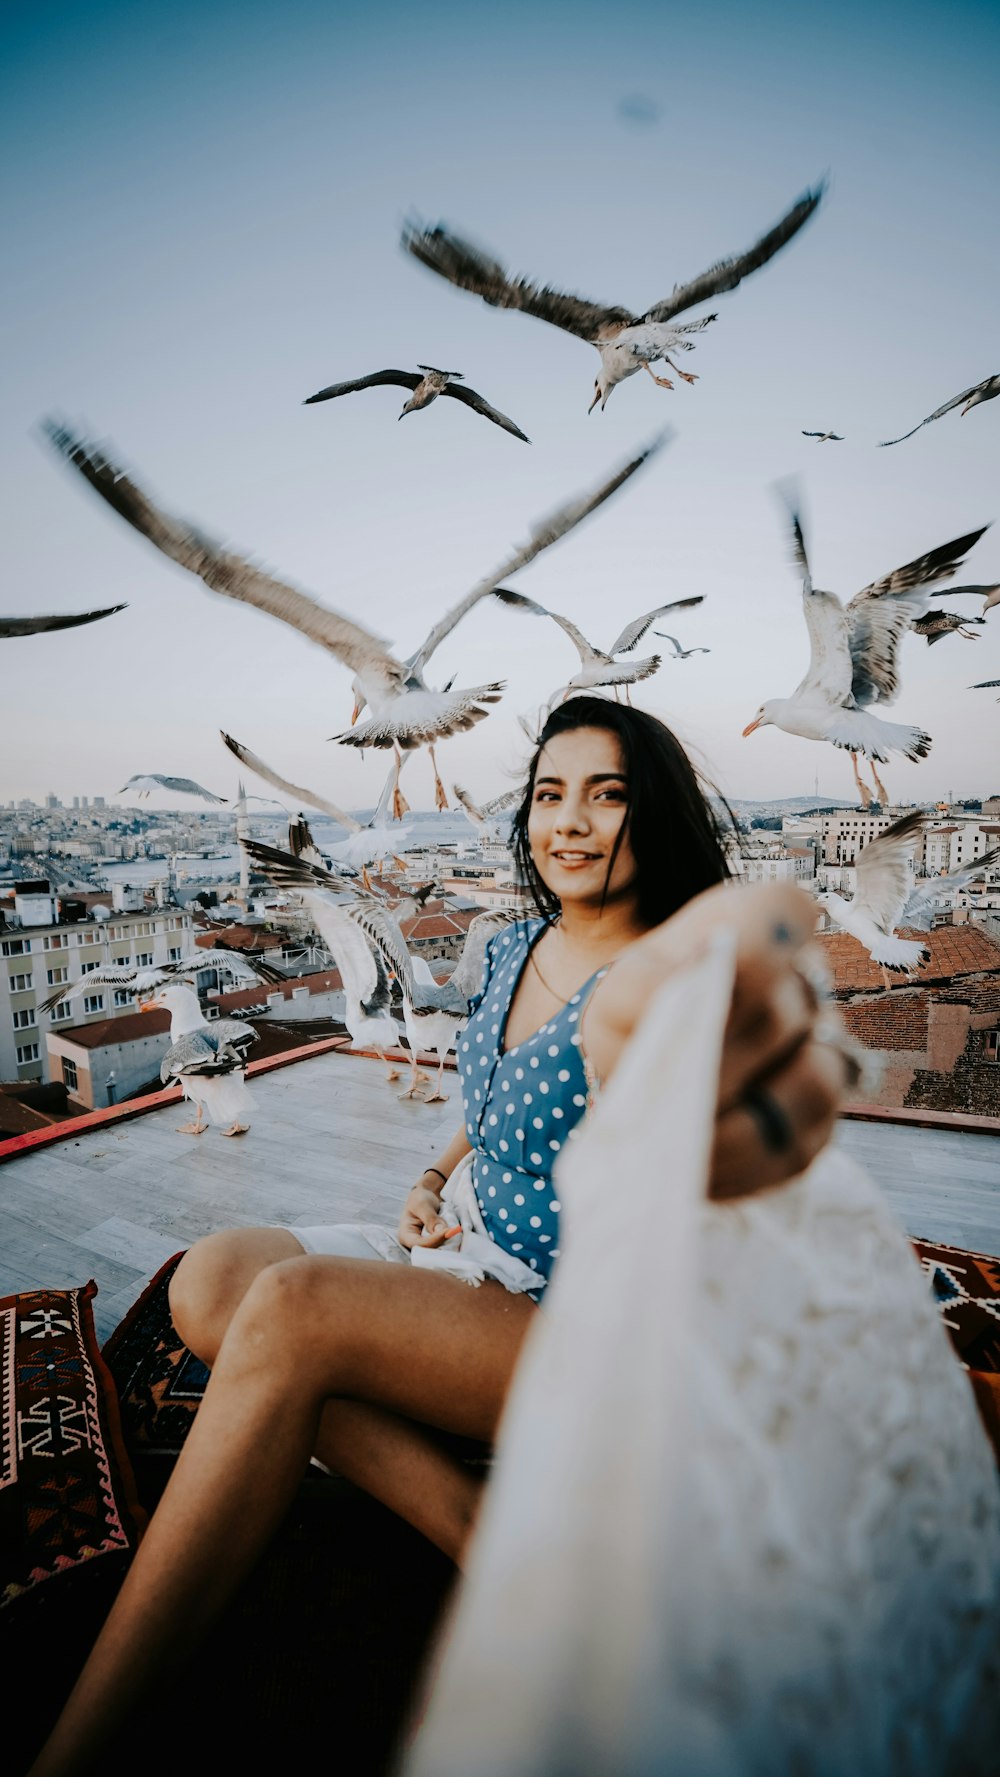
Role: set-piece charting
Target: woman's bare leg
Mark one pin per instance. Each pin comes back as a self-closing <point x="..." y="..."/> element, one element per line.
<point x="417" y="1344"/>
<point x="397" y="1461"/>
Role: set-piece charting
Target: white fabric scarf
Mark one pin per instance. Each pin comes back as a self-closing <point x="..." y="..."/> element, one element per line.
<point x="744" y="1519"/>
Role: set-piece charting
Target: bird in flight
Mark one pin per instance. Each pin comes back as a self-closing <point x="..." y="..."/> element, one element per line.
<point x="878" y="905"/>
<point x="990" y="595"/>
<point x="144" y="783"/>
<point x="937" y="623"/>
<point x="596" y="666"/>
<point x="987" y="390"/>
<point x="425" y="389"/>
<point x="33" y="626"/>
<point x="679" y="652"/>
<point x="853" y="660"/>
<point x="627" y="341"/>
<point x="405" y="711"/>
<point x="986" y="685"/>
<point x="825" y="437"/>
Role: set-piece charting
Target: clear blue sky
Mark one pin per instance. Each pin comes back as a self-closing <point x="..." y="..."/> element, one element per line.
<point x="202" y="215"/>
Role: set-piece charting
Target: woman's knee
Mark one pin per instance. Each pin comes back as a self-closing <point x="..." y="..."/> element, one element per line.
<point x="213" y="1277"/>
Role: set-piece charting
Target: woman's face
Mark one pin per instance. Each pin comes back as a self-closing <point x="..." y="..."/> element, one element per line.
<point x="577" y="810"/>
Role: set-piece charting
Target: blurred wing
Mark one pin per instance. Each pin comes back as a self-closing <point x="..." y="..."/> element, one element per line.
<point x="936" y="564"/>
<point x="480" y="405"/>
<point x="186" y="786"/>
<point x="467" y="977"/>
<point x="296" y="791"/>
<point x="470" y="268"/>
<point x="32" y="626"/>
<point x="956" y="401"/>
<point x="883" y="872"/>
<point x="985" y="685"/>
<point x="545" y="533"/>
<point x="928" y="896"/>
<point x="633" y="632"/>
<point x="500" y="804"/>
<point x="231" y="575"/>
<point x="383" y="930"/>
<point x="112" y="975"/>
<point x="518" y="601"/>
<point x="728" y="273"/>
<point x="405" y="379"/>
<point x="471" y="808"/>
<point x="957" y="592"/>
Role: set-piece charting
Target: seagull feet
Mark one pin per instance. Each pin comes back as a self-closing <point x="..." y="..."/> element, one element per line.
<point x="192" y="1128"/>
<point x="687" y="375"/>
<point x="392" y="1075"/>
<point x="662" y="382"/>
<point x="413" y="1089"/>
<point x="883" y="794"/>
<point x="400" y="806"/>
<point x="237" y="1129"/>
<point x="437" y="1098"/>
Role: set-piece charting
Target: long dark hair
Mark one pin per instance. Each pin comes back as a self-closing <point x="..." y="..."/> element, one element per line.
<point x="677" y="839"/>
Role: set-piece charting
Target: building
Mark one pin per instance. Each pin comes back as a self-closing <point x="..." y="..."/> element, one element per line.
<point x="108" y="1061"/>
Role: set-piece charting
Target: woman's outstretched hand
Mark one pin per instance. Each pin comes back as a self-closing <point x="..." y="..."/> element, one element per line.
<point x="786" y="1059"/>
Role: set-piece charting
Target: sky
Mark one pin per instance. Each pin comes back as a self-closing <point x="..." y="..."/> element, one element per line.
<point x="202" y="210"/>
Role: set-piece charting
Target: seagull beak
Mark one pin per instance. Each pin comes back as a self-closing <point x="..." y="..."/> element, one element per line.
<point x="751" y="726"/>
<point x="148" y="1006"/>
<point x="597" y="397"/>
<point x="358" y="705"/>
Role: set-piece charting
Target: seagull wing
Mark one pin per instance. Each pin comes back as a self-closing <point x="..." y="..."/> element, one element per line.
<point x="880" y="614"/>
<point x="633" y="632"/>
<point x="985" y="685"/>
<point x="231" y="575"/>
<point x="956" y="401"/>
<point x="830" y="671"/>
<point x="154" y="780"/>
<point x="470" y="268"/>
<point x="112" y="975"/>
<point x="728" y="273"/>
<point x="467" y="976"/>
<point x="935" y="564"/>
<point x="928" y="896"/>
<point x="296" y="791"/>
<point x="500" y="804"/>
<point x="546" y="532"/>
<point x="472" y="809"/>
<point x="518" y="601"/>
<point x="957" y="592"/>
<point x="404" y="379"/>
<point x="883" y="873"/>
<point x="32" y="626"/>
<point x="480" y="405"/>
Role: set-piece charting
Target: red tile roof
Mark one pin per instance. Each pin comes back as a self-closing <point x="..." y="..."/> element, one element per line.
<point x="328" y="981"/>
<point x="112" y="1031"/>
<point x="955" y="950"/>
<point x="239" y="938"/>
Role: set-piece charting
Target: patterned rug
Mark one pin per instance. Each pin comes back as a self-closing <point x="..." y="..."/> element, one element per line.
<point x="966" y="1288"/>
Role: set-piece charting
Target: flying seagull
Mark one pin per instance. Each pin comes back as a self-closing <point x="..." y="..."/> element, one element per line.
<point x="990" y="595"/>
<point x="596" y="666"/>
<point x="405" y="711"/>
<point x="878" y="905"/>
<point x="626" y="341"/>
<point x="484" y="815"/>
<point x="825" y="437"/>
<point x="987" y="390"/>
<point x="33" y="626"/>
<point x="986" y="685"/>
<point x="425" y="389"/>
<point x="853" y="659"/>
<point x="144" y="783"/>
<point x="937" y="623"/>
<point x="679" y="652"/>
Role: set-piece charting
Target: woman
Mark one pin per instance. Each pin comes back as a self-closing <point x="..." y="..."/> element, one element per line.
<point x="625" y="862"/>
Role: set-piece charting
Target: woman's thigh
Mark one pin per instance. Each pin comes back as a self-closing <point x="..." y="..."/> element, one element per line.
<point x="412" y="1341"/>
<point x="214" y="1276"/>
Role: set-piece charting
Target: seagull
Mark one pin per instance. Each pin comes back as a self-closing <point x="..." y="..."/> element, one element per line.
<point x="936" y="624"/>
<point x="987" y="390"/>
<point x="483" y="815"/>
<point x="986" y="685"/>
<point x="206" y="1060"/>
<point x="878" y="905"/>
<point x="596" y="667"/>
<point x="990" y="595"/>
<point x="626" y="341"/>
<point x="825" y="437"/>
<point x="853" y="660"/>
<point x="679" y="652"/>
<point x="139" y="980"/>
<point x="425" y="389"/>
<point x="405" y="711"/>
<point x="32" y="626"/>
<point x="144" y="783"/>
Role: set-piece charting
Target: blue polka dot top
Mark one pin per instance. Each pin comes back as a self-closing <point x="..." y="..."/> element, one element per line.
<point x="521" y="1104"/>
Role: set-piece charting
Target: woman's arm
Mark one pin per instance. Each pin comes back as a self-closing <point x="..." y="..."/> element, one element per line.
<point x="773" y="1050"/>
<point x="422" y="1223"/>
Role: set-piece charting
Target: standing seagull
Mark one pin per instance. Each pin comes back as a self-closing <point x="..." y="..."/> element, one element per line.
<point x="679" y="652"/>
<point x="425" y="389"/>
<point x="853" y="660"/>
<point x="596" y="667"/>
<point x="405" y="711"/>
<point x="626" y="341"/>
<point x="33" y="626"/>
<point x="207" y="1061"/>
<point x="987" y="390"/>
<point x="825" y="437"/>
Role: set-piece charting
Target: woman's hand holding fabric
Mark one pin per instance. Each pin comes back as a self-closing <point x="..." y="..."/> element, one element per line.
<point x="421" y="1223"/>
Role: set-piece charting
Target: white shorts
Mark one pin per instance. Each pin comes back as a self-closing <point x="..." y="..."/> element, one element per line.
<point x="351" y="1240"/>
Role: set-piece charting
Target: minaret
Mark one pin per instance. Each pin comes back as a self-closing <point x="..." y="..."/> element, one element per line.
<point x="242" y="833"/>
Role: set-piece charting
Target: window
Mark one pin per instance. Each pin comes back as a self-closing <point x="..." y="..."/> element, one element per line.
<point x="70" y="1078"/>
<point x="20" y="984"/>
<point x="93" y="1002"/>
<point x="88" y="968"/>
<point x="174" y="953"/>
<point x="122" y="996"/>
<point x="27" y="1052"/>
<point x="117" y="933"/>
<point x="15" y="946"/>
<point x="59" y="1014"/>
<point x="24" y="1020"/>
<point x="144" y="959"/>
<point x="991" y="1045"/>
<point x="56" y="941"/>
<point x="56" y="977"/>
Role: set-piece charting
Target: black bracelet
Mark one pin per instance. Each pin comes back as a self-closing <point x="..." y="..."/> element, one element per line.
<point x="442" y="1176"/>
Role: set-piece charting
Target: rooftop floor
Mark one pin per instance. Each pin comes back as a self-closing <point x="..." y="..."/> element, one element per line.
<point x="331" y="1141"/>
